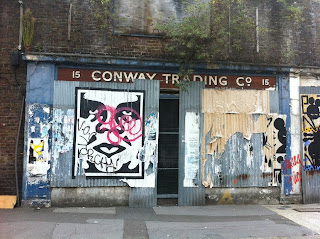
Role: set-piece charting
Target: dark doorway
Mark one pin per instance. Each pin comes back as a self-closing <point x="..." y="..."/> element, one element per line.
<point x="167" y="181"/>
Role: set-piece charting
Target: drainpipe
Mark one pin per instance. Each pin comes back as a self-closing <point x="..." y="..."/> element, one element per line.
<point x="21" y="26"/>
<point x="16" y="152"/>
<point x="257" y="30"/>
<point x="15" y="64"/>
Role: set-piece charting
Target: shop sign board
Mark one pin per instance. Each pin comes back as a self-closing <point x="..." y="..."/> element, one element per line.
<point x="168" y="80"/>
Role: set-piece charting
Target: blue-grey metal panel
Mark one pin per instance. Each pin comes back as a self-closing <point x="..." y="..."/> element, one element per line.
<point x="64" y="100"/>
<point x="39" y="97"/>
<point x="40" y="83"/>
<point x="310" y="179"/>
<point x="284" y="102"/>
<point x="190" y="101"/>
<point x="274" y="101"/>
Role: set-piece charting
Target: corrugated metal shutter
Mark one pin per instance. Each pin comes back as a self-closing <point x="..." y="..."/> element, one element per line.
<point x="190" y="110"/>
<point x="310" y="178"/>
<point x="64" y="103"/>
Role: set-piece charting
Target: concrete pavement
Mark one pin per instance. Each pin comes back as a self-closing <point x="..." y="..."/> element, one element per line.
<point x="306" y="215"/>
<point x="223" y="221"/>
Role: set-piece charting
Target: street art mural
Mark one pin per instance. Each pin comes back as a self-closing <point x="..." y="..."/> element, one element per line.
<point x="108" y="133"/>
<point x="310" y="131"/>
<point x="274" y="147"/>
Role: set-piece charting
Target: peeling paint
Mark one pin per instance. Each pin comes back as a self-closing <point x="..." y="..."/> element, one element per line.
<point x="208" y="182"/>
<point x="46" y="109"/>
<point x="38" y="145"/>
<point x="222" y="126"/>
<point x="235" y="101"/>
<point x="33" y="129"/>
<point x="62" y="131"/>
<point x="230" y="120"/>
<point x="44" y="129"/>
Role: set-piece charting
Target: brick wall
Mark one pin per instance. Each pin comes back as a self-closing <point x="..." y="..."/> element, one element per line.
<point x="12" y="83"/>
<point x="281" y="42"/>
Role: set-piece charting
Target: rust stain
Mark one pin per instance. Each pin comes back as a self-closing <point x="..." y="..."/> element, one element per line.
<point x="243" y="176"/>
<point x="266" y="175"/>
<point x="312" y="173"/>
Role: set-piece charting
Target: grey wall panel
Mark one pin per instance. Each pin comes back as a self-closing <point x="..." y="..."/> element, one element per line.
<point x="189" y="101"/>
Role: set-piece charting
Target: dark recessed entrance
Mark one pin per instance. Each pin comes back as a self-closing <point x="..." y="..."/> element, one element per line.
<point x="167" y="181"/>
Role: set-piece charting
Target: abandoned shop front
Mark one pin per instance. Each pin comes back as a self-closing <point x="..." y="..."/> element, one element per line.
<point x="121" y="132"/>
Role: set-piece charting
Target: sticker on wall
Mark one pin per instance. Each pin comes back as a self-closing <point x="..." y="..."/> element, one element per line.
<point x="37" y="157"/>
<point x="108" y="133"/>
<point x="192" y="150"/>
<point x="310" y="114"/>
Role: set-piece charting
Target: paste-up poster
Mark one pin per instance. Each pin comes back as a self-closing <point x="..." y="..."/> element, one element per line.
<point x="108" y="133"/>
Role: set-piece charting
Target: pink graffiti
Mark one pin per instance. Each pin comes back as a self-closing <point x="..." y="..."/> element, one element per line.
<point x="126" y="123"/>
<point x="290" y="163"/>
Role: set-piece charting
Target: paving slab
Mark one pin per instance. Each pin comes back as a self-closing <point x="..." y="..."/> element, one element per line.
<point x="111" y="229"/>
<point x="227" y="221"/>
<point x="26" y="230"/>
<point x="253" y="229"/>
<point x="307" y="219"/>
<point x="109" y="210"/>
<point x="214" y="211"/>
<point x="104" y="221"/>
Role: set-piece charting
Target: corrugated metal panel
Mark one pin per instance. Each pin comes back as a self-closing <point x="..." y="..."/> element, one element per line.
<point x="310" y="179"/>
<point x="142" y="197"/>
<point x="64" y="99"/>
<point x="241" y="163"/>
<point x="236" y="168"/>
<point x="147" y="197"/>
<point x="190" y="101"/>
